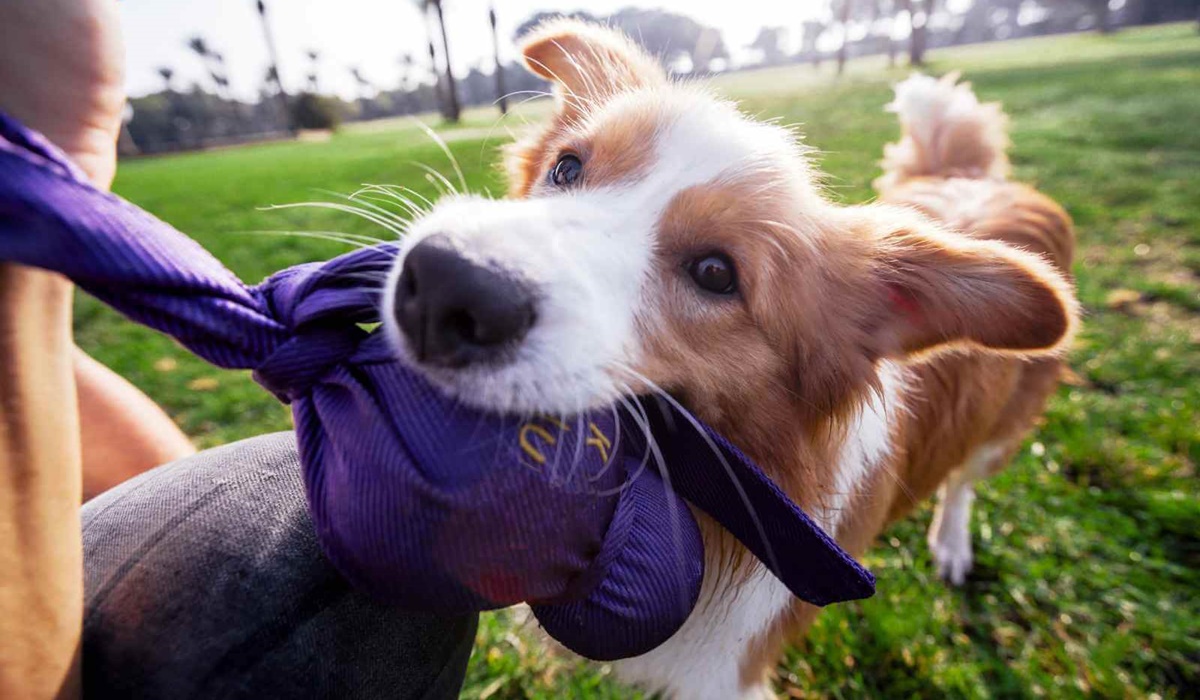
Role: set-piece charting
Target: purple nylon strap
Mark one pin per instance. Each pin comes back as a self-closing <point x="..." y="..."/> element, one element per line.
<point x="416" y="499"/>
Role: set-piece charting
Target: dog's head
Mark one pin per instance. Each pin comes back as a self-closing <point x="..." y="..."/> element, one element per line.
<point x="657" y="235"/>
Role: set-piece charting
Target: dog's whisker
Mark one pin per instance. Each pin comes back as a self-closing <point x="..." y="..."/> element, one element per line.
<point x="616" y="441"/>
<point x="357" y="211"/>
<point x="580" y="443"/>
<point x="643" y="428"/>
<point x="674" y="506"/>
<point x="424" y="200"/>
<point x="373" y="208"/>
<point x="402" y="193"/>
<point x="408" y="210"/>
<point x="382" y="202"/>
<point x="333" y="237"/>
<point x="441" y="143"/>
<point x="413" y="209"/>
<point x="535" y="93"/>
<point x="437" y="179"/>
<point x="737" y="484"/>
<point x="500" y="119"/>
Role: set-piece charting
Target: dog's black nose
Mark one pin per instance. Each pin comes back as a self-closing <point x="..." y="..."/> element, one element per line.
<point x="454" y="311"/>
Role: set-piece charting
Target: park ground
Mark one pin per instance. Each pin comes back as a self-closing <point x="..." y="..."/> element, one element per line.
<point x="1087" y="581"/>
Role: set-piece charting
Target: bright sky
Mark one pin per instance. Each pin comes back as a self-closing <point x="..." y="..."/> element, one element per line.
<point x="373" y="34"/>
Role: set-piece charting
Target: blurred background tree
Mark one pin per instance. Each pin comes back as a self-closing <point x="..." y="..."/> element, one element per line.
<point x="680" y="42"/>
<point x="210" y="114"/>
<point x="312" y="111"/>
<point x="167" y="76"/>
<point x="451" y="110"/>
<point x="770" y="43"/>
<point x="501" y="95"/>
<point x="314" y="74"/>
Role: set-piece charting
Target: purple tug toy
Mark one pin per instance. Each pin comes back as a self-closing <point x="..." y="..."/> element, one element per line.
<point x="418" y="500"/>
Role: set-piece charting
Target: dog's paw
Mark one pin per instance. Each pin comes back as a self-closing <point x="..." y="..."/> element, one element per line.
<point x="952" y="555"/>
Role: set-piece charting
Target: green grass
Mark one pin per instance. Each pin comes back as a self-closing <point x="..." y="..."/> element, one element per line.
<point x="1088" y="573"/>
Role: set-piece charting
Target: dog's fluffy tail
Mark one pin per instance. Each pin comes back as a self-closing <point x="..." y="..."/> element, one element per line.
<point x="947" y="132"/>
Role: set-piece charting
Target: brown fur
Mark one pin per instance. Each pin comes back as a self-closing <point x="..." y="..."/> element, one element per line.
<point x="588" y="66"/>
<point x="963" y="401"/>
<point x="957" y="401"/>
<point x="825" y="293"/>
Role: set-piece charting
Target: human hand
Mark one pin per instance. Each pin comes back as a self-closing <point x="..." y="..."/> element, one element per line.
<point x="62" y="73"/>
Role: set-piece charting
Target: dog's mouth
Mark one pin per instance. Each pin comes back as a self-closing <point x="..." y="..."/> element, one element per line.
<point x="521" y="388"/>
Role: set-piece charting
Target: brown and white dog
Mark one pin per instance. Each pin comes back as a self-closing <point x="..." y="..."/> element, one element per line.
<point x="864" y="356"/>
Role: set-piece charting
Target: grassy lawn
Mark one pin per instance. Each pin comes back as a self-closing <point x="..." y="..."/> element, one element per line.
<point x="1087" y="578"/>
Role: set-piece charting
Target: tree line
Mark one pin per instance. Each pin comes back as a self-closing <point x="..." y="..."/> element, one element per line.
<point x="206" y="114"/>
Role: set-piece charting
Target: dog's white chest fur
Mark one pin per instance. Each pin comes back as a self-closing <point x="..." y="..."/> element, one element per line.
<point x="702" y="660"/>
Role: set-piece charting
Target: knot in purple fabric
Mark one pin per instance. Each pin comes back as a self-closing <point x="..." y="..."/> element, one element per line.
<point x="291" y="370"/>
<point x="319" y="306"/>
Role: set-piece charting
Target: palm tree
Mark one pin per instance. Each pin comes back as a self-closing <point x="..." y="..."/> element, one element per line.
<point x="368" y="105"/>
<point x="364" y="85"/>
<point x="273" y="70"/>
<point x="1103" y="16"/>
<point x="437" y="81"/>
<point x="166" y="74"/>
<point x="501" y="94"/>
<point x="212" y="62"/>
<point x="812" y="31"/>
<point x="452" y="109"/>
<point x="919" y="39"/>
<point x="883" y="12"/>
<point x="767" y="42"/>
<point x="844" y="20"/>
<point x="221" y="74"/>
<point x="406" y="66"/>
<point x="314" y="58"/>
<point x="408" y="85"/>
<point x="200" y="46"/>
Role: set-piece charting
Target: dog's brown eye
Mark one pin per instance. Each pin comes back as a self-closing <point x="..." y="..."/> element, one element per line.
<point x="714" y="273"/>
<point x="566" y="171"/>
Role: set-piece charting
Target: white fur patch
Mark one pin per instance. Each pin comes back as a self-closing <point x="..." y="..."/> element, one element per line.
<point x="924" y="105"/>
<point x="868" y="439"/>
<point x="702" y="661"/>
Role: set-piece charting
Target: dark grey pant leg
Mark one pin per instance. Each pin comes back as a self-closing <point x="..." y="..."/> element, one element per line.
<point x="204" y="580"/>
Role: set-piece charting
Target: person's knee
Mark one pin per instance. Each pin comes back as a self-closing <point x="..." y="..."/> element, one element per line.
<point x="204" y="579"/>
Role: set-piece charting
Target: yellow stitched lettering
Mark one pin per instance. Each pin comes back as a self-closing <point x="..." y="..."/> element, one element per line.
<point x="599" y="440"/>
<point x="533" y="452"/>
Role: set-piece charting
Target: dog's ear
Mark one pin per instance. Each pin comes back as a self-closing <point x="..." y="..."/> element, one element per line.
<point x="933" y="289"/>
<point x="587" y="63"/>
